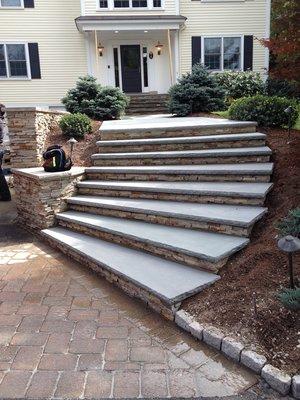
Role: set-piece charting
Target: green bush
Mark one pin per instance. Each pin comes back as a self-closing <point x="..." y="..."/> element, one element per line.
<point x="282" y="88"/>
<point x="75" y="125"/>
<point x="240" y="84"/>
<point x="195" y="92"/>
<point x="291" y="224"/>
<point x="97" y="102"/>
<point x="266" y="111"/>
<point x="290" y="298"/>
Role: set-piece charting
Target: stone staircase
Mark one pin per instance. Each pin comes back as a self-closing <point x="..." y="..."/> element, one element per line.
<point x="147" y="103"/>
<point x="165" y="205"/>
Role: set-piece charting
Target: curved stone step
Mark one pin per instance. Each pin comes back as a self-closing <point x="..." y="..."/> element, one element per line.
<point x="245" y="154"/>
<point x="183" y="143"/>
<point x="165" y="126"/>
<point x="257" y="172"/>
<point x="200" y="192"/>
<point x="229" y="219"/>
<point x="204" y="250"/>
<point x="149" y="275"/>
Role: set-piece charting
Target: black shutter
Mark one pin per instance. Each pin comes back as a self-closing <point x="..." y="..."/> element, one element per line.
<point x="34" y="57"/>
<point x="248" y="53"/>
<point x="29" y="3"/>
<point x="196" y="49"/>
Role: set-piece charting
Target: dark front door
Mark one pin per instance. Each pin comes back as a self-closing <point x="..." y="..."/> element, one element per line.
<point x="131" y="68"/>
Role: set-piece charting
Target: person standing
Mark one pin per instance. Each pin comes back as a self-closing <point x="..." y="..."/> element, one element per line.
<point x="4" y="189"/>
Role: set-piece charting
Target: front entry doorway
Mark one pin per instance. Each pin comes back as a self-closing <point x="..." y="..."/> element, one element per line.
<point x="131" y="68"/>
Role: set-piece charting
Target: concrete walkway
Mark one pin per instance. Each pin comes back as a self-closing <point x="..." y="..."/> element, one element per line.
<point x="67" y="333"/>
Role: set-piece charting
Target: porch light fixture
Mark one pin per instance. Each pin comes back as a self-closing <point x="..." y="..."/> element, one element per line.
<point x="290" y="244"/>
<point x="100" y="49"/>
<point x="159" y="47"/>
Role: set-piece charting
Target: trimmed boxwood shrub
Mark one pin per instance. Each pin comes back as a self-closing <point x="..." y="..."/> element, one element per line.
<point x="240" y="84"/>
<point x="195" y="92"/>
<point x="266" y="111"/>
<point x="96" y="101"/>
<point x="75" y="125"/>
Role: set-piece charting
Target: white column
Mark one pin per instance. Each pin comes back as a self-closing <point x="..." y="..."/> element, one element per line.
<point x="176" y="55"/>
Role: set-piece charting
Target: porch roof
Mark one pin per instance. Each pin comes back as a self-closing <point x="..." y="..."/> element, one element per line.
<point x="128" y="22"/>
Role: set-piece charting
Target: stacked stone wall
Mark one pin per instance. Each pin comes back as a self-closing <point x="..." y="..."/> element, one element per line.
<point x="40" y="195"/>
<point x="28" y="129"/>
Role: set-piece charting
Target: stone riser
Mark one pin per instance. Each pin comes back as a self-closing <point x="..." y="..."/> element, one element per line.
<point x="166" y="220"/>
<point x="132" y="290"/>
<point x="169" y="254"/>
<point x="178" y="161"/>
<point x="182" y="146"/>
<point x="159" y="133"/>
<point x="194" y="198"/>
<point x="179" y="178"/>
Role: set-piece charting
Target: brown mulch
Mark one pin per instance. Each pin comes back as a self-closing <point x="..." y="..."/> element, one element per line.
<point x="82" y="150"/>
<point x="257" y="273"/>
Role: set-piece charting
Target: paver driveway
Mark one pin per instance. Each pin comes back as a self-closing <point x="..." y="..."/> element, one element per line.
<point x="67" y="333"/>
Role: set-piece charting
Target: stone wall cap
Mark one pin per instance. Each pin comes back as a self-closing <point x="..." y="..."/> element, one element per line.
<point x="38" y="173"/>
<point x="45" y="110"/>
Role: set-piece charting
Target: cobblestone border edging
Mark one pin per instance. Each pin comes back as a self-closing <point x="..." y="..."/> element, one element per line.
<point x="277" y="379"/>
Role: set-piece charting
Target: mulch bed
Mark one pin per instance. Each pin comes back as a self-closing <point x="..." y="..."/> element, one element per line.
<point x="259" y="271"/>
<point x="83" y="149"/>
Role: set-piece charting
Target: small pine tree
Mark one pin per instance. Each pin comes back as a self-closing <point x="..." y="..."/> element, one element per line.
<point x="197" y="91"/>
<point x="97" y="102"/>
<point x="291" y="224"/>
<point x="290" y="298"/>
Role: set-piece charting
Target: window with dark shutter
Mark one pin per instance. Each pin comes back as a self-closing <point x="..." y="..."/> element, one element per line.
<point x="33" y="49"/>
<point x="29" y="3"/>
<point x="248" y="53"/>
<point x="196" y="49"/>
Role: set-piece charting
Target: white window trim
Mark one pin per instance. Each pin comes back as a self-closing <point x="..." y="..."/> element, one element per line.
<point x="12" y="7"/>
<point x="222" y="36"/>
<point x="16" y="78"/>
<point x="111" y="6"/>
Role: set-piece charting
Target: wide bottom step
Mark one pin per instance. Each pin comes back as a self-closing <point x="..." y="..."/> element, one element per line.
<point x="159" y="282"/>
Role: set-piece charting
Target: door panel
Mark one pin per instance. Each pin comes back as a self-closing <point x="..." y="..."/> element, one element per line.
<point x="131" y="68"/>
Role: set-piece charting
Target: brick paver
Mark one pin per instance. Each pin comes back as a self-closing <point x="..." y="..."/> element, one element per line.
<point x="67" y="333"/>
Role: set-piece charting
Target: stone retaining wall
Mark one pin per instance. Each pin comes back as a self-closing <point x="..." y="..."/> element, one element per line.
<point x="40" y="195"/>
<point x="28" y="128"/>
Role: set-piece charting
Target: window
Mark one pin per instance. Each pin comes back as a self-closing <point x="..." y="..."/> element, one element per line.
<point x="13" y="61"/>
<point x="103" y="4"/>
<point x="111" y="4"/>
<point x="116" y="62"/>
<point x="222" y="53"/>
<point x="11" y="3"/>
<point x="145" y="66"/>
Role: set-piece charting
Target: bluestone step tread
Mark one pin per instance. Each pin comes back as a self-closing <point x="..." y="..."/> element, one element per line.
<point x="185" y="139"/>
<point x="207" y="246"/>
<point x="243" y="216"/>
<point x="230" y="152"/>
<point x="165" y="123"/>
<point x="227" y="189"/>
<point x="211" y="169"/>
<point x="168" y="280"/>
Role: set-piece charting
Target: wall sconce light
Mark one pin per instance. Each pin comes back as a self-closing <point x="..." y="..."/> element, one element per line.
<point x="100" y="49"/>
<point x="159" y="47"/>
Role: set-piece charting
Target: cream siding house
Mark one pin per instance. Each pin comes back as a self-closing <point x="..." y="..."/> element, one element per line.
<point x="137" y="45"/>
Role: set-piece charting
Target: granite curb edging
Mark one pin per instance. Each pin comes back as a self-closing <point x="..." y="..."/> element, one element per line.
<point x="277" y="379"/>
